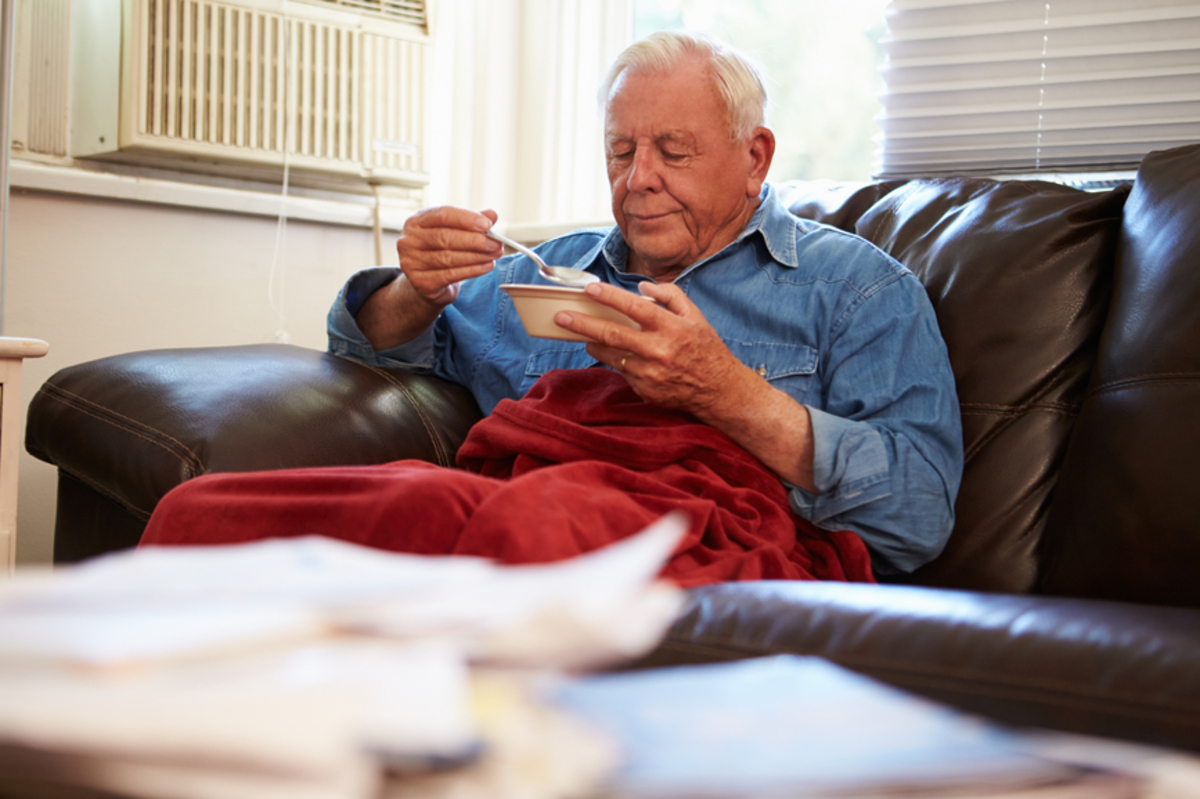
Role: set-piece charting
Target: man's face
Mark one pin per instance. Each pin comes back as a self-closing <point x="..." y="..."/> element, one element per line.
<point x="681" y="188"/>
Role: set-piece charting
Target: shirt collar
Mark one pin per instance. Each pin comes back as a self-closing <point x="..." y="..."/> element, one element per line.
<point x="778" y="227"/>
<point x="771" y="219"/>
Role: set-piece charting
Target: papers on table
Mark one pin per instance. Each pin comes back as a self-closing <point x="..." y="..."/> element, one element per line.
<point x="153" y="604"/>
<point x="302" y="667"/>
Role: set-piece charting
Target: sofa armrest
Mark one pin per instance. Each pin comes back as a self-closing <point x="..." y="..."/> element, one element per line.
<point x="1103" y="668"/>
<point x="133" y="426"/>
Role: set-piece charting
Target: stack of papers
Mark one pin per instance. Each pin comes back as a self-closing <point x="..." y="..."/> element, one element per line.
<point x="303" y="667"/>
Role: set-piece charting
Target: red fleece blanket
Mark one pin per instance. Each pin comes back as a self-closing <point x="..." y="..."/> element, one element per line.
<point x="578" y="463"/>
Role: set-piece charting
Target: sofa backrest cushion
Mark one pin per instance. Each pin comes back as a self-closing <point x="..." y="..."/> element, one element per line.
<point x="1126" y="521"/>
<point x="1020" y="274"/>
<point x="832" y="202"/>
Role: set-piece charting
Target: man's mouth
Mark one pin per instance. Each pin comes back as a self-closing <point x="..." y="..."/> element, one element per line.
<point x="646" y="216"/>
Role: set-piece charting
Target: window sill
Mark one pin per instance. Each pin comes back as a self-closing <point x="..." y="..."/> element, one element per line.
<point x="229" y="196"/>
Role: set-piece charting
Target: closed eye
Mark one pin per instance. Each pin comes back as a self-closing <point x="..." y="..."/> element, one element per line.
<point x="675" y="147"/>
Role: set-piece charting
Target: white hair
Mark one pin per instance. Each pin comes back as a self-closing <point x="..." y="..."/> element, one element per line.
<point x="737" y="78"/>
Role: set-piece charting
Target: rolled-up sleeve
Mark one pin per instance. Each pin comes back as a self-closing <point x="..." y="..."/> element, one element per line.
<point x="346" y="339"/>
<point x="850" y="467"/>
<point x="887" y="445"/>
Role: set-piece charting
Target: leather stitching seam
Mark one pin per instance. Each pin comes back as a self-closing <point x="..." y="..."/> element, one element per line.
<point x="1163" y="378"/>
<point x="191" y="463"/>
<point x="1009" y="414"/>
<point x="143" y="515"/>
<point x="983" y="409"/>
<point x="443" y="459"/>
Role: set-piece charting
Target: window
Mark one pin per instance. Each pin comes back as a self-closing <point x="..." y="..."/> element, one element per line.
<point x="1026" y="86"/>
<point x="822" y="61"/>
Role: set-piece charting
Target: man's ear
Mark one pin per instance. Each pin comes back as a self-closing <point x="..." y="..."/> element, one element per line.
<point x="762" y="150"/>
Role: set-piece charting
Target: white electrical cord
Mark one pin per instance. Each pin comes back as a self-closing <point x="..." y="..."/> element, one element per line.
<point x="377" y="225"/>
<point x="278" y="267"/>
<point x="278" y="264"/>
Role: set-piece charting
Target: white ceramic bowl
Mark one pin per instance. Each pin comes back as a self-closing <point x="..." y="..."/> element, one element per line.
<point x="537" y="305"/>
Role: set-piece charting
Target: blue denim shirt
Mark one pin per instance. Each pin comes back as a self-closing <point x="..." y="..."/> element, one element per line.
<point x="823" y="315"/>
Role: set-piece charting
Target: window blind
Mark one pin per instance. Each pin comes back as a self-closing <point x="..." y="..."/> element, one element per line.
<point x="1004" y="86"/>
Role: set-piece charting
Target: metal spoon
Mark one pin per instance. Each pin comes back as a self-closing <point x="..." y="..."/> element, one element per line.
<point x="563" y="275"/>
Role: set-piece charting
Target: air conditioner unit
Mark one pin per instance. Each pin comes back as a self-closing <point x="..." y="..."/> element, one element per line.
<point x="336" y="89"/>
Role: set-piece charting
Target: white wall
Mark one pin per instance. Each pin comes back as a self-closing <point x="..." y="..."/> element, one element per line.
<point x="96" y="277"/>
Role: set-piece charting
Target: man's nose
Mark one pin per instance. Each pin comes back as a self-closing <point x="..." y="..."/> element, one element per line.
<point x="645" y="174"/>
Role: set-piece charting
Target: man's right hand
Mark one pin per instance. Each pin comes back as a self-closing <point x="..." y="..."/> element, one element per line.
<point x="439" y="248"/>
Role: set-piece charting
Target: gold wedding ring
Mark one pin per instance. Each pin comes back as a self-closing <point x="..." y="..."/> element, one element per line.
<point x="621" y="365"/>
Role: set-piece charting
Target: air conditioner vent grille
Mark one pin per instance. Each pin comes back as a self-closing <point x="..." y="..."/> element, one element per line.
<point x="410" y="11"/>
<point x="232" y="82"/>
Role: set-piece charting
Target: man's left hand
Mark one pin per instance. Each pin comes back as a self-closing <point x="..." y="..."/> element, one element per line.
<point x="676" y="360"/>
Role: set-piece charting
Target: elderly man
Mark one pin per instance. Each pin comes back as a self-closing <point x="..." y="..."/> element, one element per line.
<point x="807" y="347"/>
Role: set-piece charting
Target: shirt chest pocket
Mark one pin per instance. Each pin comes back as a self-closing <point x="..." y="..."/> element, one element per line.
<point x="560" y="356"/>
<point x="791" y="368"/>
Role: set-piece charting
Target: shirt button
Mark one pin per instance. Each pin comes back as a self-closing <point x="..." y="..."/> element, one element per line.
<point x="762" y="370"/>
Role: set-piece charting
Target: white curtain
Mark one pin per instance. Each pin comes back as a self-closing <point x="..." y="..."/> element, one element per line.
<point x="516" y="125"/>
<point x="1003" y="86"/>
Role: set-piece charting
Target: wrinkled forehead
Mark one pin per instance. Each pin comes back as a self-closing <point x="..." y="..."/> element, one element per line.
<point x="664" y="100"/>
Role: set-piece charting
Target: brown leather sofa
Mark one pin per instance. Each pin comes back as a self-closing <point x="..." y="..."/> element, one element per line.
<point x="1068" y="595"/>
